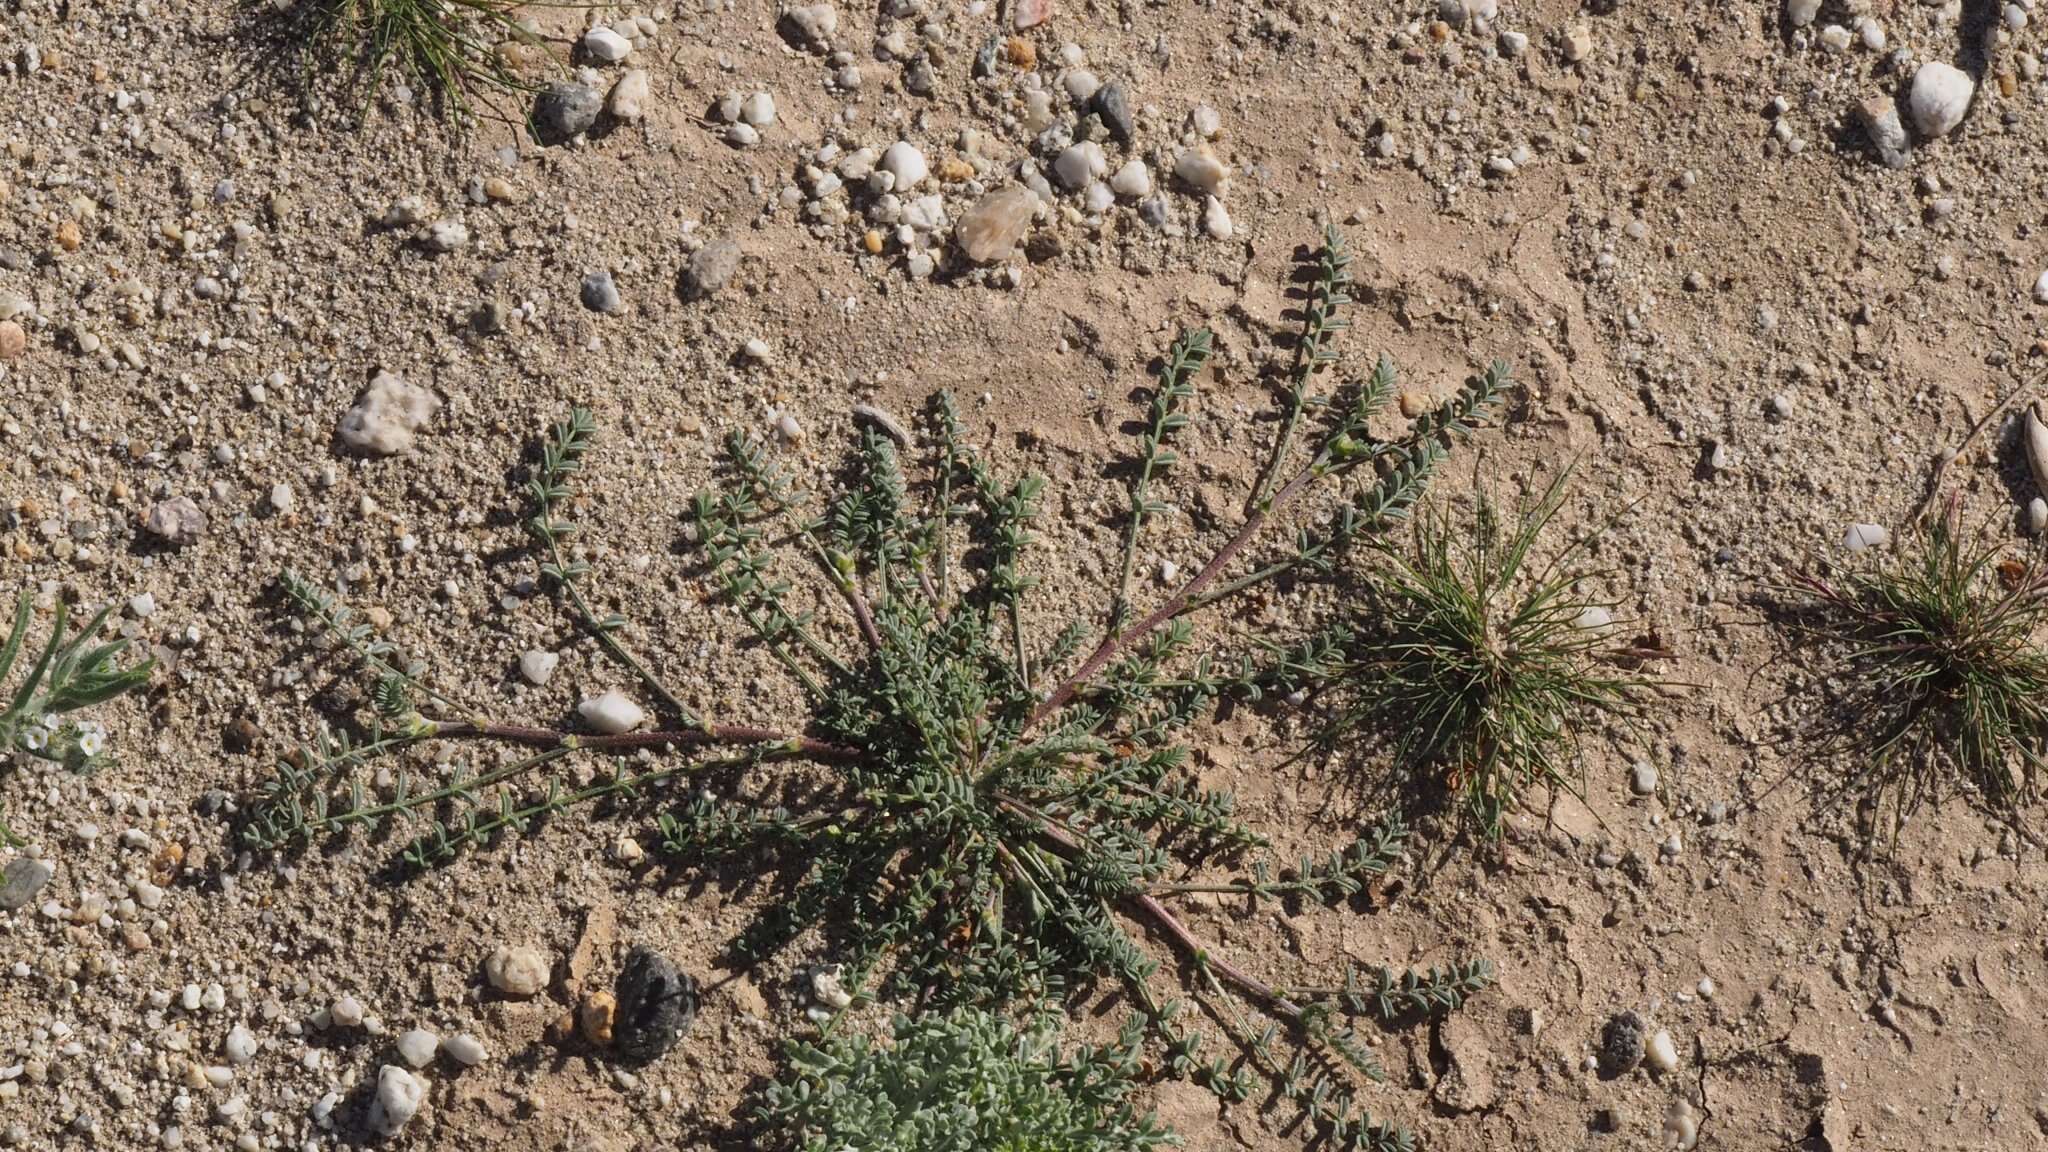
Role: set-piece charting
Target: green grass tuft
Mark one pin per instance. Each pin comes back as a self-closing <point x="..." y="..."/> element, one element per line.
<point x="1941" y="686"/>
<point x="1482" y="664"/>
<point x="450" y="47"/>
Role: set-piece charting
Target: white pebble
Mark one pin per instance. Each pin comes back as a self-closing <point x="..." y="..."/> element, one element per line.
<point x="816" y="22"/>
<point x="240" y="1046"/>
<point x="1081" y="84"/>
<point x="1133" y="181"/>
<point x="906" y="164"/>
<point x="1076" y="166"/>
<point x="537" y="665"/>
<point x="1205" y="121"/>
<point x="398" y="1100"/>
<point x="346" y="1012"/>
<point x="417" y="1047"/>
<point x="283" y="499"/>
<point x="1098" y="198"/>
<point x="606" y="45"/>
<point x="1861" y="536"/>
<point x="1801" y="12"/>
<point x="758" y="110"/>
<point x="465" y="1049"/>
<point x="390" y="413"/>
<point x="2041" y="288"/>
<point x="1216" y="219"/>
<point x="611" y="713"/>
<point x="1872" y="34"/>
<point x="516" y="970"/>
<point x="757" y="350"/>
<point x="1662" y="1053"/>
<point x="628" y="98"/>
<point x="2037" y="515"/>
<point x="1593" y="617"/>
<point x="1939" y="97"/>
<point x="1706" y="988"/>
<point x="742" y="135"/>
<point x="1201" y="170"/>
<point x="445" y="235"/>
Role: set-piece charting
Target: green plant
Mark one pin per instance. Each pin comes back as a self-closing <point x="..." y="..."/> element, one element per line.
<point x="1481" y="662"/>
<point x="991" y="816"/>
<point x="1940" y="682"/>
<point x="66" y="678"/>
<point x="449" y="46"/>
<point x="957" y="1081"/>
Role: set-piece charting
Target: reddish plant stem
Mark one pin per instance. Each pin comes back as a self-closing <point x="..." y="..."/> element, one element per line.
<point x="1193" y="945"/>
<point x="719" y="735"/>
<point x="1113" y="644"/>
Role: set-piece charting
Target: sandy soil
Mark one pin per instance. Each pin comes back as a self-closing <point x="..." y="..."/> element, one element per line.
<point x="193" y="249"/>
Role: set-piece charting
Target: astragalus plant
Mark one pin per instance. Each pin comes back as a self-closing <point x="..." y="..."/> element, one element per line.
<point x="995" y="814"/>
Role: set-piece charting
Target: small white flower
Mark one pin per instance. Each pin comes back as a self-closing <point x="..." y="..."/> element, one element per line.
<point x="93" y="728"/>
<point x="51" y="722"/>
<point x="35" y="739"/>
<point x="91" y="741"/>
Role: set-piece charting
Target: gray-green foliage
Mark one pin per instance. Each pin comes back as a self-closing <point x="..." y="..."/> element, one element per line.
<point x="992" y="814"/>
<point x="69" y="675"/>
<point x="957" y="1081"/>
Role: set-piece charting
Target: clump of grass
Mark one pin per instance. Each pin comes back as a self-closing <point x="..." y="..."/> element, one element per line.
<point x="40" y="718"/>
<point x="958" y="1081"/>
<point x="1482" y="663"/>
<point x="991" y="816"/>
<point x="1940" y="682"/>
<point x="449" y="47"/>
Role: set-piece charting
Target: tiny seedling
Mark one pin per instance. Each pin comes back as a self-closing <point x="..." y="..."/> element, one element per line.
<point x="957" y="1081"/>
<point x="453" y="48"/>
<point x="993" y="814"/>
<point x="39" y="719"/>
<point x="1485" y="662"/>
<point x="1939" y="681"/>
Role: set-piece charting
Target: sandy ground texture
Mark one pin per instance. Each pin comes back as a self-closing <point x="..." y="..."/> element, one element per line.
<point x="1748" y="330"/>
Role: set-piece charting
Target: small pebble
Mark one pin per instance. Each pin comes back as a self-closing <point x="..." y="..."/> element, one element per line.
<point x="905" y="164"/>
<point x="21" y="881"/>
<point x="1216" y="219"/>
<point x="445" y="236"/>
<point x="611" y="713"/>
<point x="240" y="1046"/>
<point x="710" y="269"/>
<point x="1200" y="169"/>
<point x="1861" y="536"/>
<point x="13" y="340"/>
<point x="1133" y="181"/>
<point x="1643" y="780"/>
<point x="398" y="1099"/>
<point x="564" y="111"/>
<point x="627" y="100"/>
<point x="1662" y="1052"/>
<point x="991" y="229"/>
<point x="176" y="521"/>
<point x="517" y="970"/>
<point x="465" y="1049"/>
<point x="758" y="110"/>
<point x="537" y="665"/>
<point x="417" y="1047"/>
<point x="1621" y="1044"/>
<point x="600" y="293"/>
<point x="1939" y="98"/>
<point x="606" y="45"/>
<point x="346" y="1012"/>
<point x="815" y="22"/>
<point x="388" y="416"/>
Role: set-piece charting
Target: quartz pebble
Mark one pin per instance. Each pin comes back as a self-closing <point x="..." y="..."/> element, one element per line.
<point x="1578" y="43"/>
<point x="537" y="665"/>
<point x="815" y="22"/>
<point x="282" y="499"/>
<point x="465" y="1049"/>
<point x="1133" y="181"/>
<point x="1199" y="168"/>
<point x="388" y="416"/>
<point x="1861" y="536"/>
<point x="607" y="46"/>
<point x="240" y="1046"/>
<point x="176" y="521"/>
<point x="1216" y="219"/>
<point x="417" y="1047"/>
<point x="445" y="236"/>
<point x="2037" y="515"/>
<point x="627" y="100"/>
<point x="1938" y="99"/>
<point x="1029" y="13"/>
<point x="758" y="110"/>
<point x="1662" y="1053"/>
<point x="1800" y="13"/>
<point x="516" y="970"/>
<point x="990" y="230"/>
<point x="398" y="1099"/>
<point x="1643" y="779"/>
<point x="905" y="164"/>
<point x="1078" y="165"/>
<point x="346" y="1012"/>
<point x="2041" y="288"/>
<point x="611" y="713"/>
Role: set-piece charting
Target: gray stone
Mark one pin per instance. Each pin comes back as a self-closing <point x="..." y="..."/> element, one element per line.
<point x="565" y="111"/>
<point x="1643" y="780"/>
<point x="710" y="269"/>
<point x="657" y="1004"/>
<point x="1115" y="110"/>
<point x="600" y="294"/>
<point x="176" y="521"/>
<point x="21" y="881"/>
<point x="1621" y="1045"/>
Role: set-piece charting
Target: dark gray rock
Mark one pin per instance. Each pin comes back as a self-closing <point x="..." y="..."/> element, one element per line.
<point x="1115" y="110"/>
<point x="1621" y="1044"/>
<point x="600" y="294"/>
<point x="657" y="1004"/>
<point x="565" y="111"/>
<point x="21" y="881"/>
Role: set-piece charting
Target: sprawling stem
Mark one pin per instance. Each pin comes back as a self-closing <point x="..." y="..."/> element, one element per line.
<point x="709" y="735"/>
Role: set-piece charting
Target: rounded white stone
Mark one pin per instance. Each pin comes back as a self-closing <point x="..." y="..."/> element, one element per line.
<point x="903" y="162"/>
<point x="466" y="1049"/>
<point x="1661" y="1053"/>
<point x="1133" y="181"/>
<point x="398" y="1100"/>
<point x="606" y="45"/>
<point x="417" y="1047"/>
<point x="611" y="713"/>
<point x="1939" y="98"/>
